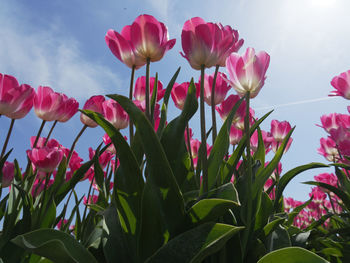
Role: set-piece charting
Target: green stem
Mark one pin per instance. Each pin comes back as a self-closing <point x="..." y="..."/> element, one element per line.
<point x="148" y="110"/>
<point x="75" y="142"/>
<point x="203" y="135"/>
<point x="212" y="102"/>
<point x="39" y="133"/>
<point x="131" y="125"/>
<point x="48" y="136"/>
<point x="7" y="138"/>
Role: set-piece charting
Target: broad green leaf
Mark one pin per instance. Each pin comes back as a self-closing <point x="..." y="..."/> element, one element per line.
<point x="54" y="245"/>
<point x="225" y="191"/>
<point x="161" y="192"/>
<point x="278" y="238"/>
<point x="292" y="255"/>
<point x="196" y="244"/>
<point x="288" y="176"/>
<point x="264" y="212"/>
<point x="209" y="209"/>
<point x="220" y="149"/>
<point x="272" y="226"/>
<point x="173" y="140"/>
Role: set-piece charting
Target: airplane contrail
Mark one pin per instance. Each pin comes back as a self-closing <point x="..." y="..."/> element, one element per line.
<point x="294" y="103"/>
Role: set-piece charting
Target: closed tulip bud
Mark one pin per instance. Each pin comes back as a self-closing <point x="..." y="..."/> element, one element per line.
<point x="24" y="107"/>
<point x="115" y="114"/>
<point x="221" y="88"/>
<point x="8" y="173"/>
<point x="140" y="89"/>
<point x="94" y="104"/>
<point x="68" y="109"/>
<point x="179" y="93"/>
<point x="45" y="159"/>
<point x="47" y="103"/>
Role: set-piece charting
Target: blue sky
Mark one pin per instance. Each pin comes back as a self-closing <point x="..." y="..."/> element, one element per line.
<point x="61" y="44"/>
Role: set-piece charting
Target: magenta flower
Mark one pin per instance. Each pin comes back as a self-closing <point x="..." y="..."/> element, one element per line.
<point x="47" y="103"/>
<point x="328" y="178"/>
<point x="235" y="135"/>
<point x="329" y="149"/>
<point x="208" y="44"/>
<point x="94" y="103"/>
<point x="15" y="100"/>
<point x="279" y="130"/>
<point x="41" y="141"/>
<point x="226" y="106"/>
<point x="103" y="159"/>
<point x="8" y="173"/>
<point x="146" y="38"/>
<point x="68" y="109"/>
<point x="45" y="159"/>
<point x="247" y="72"/>
<point x="221" y="88"/>
<point x="329" y="122"/>
<point x="341" y="136"/>
<point x="115" y="114"/>
<point x="140" y="89"/>
<point x="267" y="140"/>
<point x="179" y="93"/>
<point x="341" y="84"/>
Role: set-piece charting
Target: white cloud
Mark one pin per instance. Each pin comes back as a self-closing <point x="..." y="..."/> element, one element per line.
<point x="46" y="56"/>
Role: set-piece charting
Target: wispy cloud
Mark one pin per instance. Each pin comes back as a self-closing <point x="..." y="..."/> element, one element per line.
<point x="45" y="56"/>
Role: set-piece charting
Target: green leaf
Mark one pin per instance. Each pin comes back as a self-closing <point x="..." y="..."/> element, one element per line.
<point x="264" y="212"/>
<point x="173" y="140"/>
<point x="296" y="212"/>
<point x="278" y="238"/>
<point x="54" y="245"/>
<point x="196" y="244"/>
<point x="154" y="97"/>
<point x="345" y="197"/>
<point x="265" y="173"/>
<point x="259" y="155"/>
<point x="287" y="177"/>
<point x="236" y="155"/>
<point x="163" y="115"/>
<point x="220" y="148"/>
<point x="161" y="192"/>
<point x="209" y="209"/>
<point x="292" y="255"/>
<point x="225" y="191"/>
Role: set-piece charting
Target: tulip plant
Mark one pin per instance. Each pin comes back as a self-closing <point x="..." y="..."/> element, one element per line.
<point x="165" y="196"/>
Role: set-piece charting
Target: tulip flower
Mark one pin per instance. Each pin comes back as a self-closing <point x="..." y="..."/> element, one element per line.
<point x="226" y="106"/>
<point x="41" y="142"/>
<point x="208" y="44"/>
<point x="115" y="114"/>
<point x="179" y="93"/>
<point x="94" y="103"/>
<point x="329" y="149"/>
<point x="45" y="159"/>
<point x="140" y="89"/>
<point x="341" y="84"/>
<point x="279" y="130"/>
<point x="68" y="109"/>
<point x="47" y="103"/>
<point x="221" y="88"/>
<point x="24" y="107"/>
<point x="328" y="178"/>
<point x="247" y="72"/>
<point x="235" y="135"/>
<point x="12" y="95"/>
<point x="8" y="173"/>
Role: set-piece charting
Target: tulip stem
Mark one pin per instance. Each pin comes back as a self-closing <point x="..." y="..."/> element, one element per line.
<point x="212" y="102"/>
<point x="188" y="140"/>
<point x="39" y="133"/>
<point x="203" y="135"/>
<point x="131" y="125"/>
<point x="48" y="136"/>
<point x="7" y="138"/>
<point x="148" y="112"/>
<point x="74" y="143"/>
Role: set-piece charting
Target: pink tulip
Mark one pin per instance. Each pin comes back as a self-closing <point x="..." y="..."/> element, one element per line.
<point x="279" y="130"/>
<point x="47" y="103"/>
<point x="341" y="136"/>
<point x="276" y="145"/>
<point x="247" y="72"/>
<point x="41" y="141"/>
<point x="24" y="107"/>
<point x="226" y="106"/>
<point x="103" y="159"/>
<point x="146" y="38"/>
<point x="329" y="122"/>
<point x="329" y="149"/>
<point x="208" y="44"/>
<point x="328" y="178"/>
<point x="115" y="114"/>
<point x="68" y="109"/>
<point x="254" y="141"/>
<point x="288" y="204"/>
<point x="221" y="88"/>
<point x="140" y="89"/>
<point x="179" y="93"/>
<point x="267" y="186"/>
<point x="13" y="95"/>
<point x="75" y="160"/>
<point x="94" y="103"/>
<point x="341" y="84"/>
<point x="195" y="144"/>
<point x="107" y="141"/>
<point x="92" y="200"/>
<point x="8" y="173"/>
<point x="318" y="194"/>
<point x="45" y="159"/>
<point x="235" y="135"/>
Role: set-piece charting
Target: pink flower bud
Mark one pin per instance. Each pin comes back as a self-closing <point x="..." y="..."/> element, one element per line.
<point x="341" y="84"/>
<point x="115" y="114"/>
<point x="221" y="88"/>
<point x="47" y="103"/>
<point x="45" y="159"/>
<point x="247" y="72"/>
<point x="179" y="93"/>
<point x="140" y="89"/>
<point x="94" y="104"/>
<point x="8" y="173"/>
<point x="208" y="44"/>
